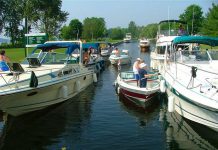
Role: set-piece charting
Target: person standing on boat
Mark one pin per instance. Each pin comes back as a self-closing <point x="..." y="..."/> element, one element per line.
<point x="3" y="60"/>
<point x="136" y="69"/>
<point x="181" y="30"/>
<point x="143" y="75"/>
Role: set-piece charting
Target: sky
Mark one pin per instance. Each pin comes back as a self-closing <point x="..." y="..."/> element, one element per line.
<point x="118" y="13"/>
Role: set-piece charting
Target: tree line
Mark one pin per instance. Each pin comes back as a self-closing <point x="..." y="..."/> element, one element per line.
<point x="47" y="16"/>
<point x="96" y="28"/>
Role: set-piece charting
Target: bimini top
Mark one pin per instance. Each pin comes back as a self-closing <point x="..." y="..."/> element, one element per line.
<point x="90" y="45"/>
<point x="177" y="21"/>
<point x="53" y="45"/>
<point x="212" y="41"/>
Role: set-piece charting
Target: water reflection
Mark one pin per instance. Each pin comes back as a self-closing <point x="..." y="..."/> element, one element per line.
<point x="182" y="133"/>
<point x="51" y="128"/>
<point x="143" y="115"/>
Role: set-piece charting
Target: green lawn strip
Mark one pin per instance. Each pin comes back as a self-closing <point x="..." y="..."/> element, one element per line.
<point x="202" y="46"/>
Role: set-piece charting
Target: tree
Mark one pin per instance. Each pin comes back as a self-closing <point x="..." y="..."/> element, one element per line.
<point x="2" y="8"/>
<point x="93" y="28"/>
<point x="193" y="15"/>
<point x="50" y="17"/>
<point x="132" y="28"/>
<point x="116" y="33"/>
<point x="210" y="26"/>
<point x="65" y="33"/>
<point x="149" y="31"/>
<point x="12" y="19"/>
<point x="73" y="31"/>
<point x="75" y="28"/>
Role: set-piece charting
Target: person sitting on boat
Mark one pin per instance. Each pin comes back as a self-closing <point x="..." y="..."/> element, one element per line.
<point x="3" y="60"/>
<point x="117" y="53"/>
<point x="85" y="57"/>
<point x="143" y="75"/>
<point x="136" y="69"/>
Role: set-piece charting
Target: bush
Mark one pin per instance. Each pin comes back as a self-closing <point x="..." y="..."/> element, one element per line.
<point x="6" y="45"/>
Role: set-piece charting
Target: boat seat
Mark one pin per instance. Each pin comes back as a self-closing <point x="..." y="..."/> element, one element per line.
<point x="33" y="62"/>
<point x="15" y="68"/>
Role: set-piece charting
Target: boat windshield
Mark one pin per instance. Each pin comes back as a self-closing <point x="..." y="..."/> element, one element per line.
<point x="162" y="49"/>
<point x="51" y="57"/>
<point x="213" y="54"/>
<point x="186" y="55"/>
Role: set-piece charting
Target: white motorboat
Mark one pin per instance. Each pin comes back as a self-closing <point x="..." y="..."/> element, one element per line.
<point x="127" y="86"/>
<point x="163" y="43"/>
<point x="143" y="43"/>
<point x="127" y="38"/>
<point x="48" y="76"/>
<point x="191" y="79"/>
<point x="122" y="58"/>
<point x="105" y="49"/>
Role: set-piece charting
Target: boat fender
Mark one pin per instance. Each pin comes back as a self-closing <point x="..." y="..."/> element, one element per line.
<point x="162" y="86"/>
<point x="95" y="77"/>
<point x="159" y="68"/>
<point x="152" y="65"/>
<point x="64" y="91"/>
<point x="171" y="104"/>
<point x="118" y="90"/>
<point x="33" y="80"/>
<point x="77" y="86"/>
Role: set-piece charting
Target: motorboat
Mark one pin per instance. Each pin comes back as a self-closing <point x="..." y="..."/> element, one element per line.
<point x="47" y="76"/>
<point x="127" y="38"/>
<point x="120" y="58"/>
<point x="190" y="78"/>
<point x="164" y="41"/>
<point x="105" y="49"/>
<point x="126" y="85"/>
<point x="95" y="60"/>
<point x="144" y="44"/>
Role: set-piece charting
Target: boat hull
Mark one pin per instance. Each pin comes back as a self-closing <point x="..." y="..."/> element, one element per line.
<point x="43" y="96"/>
<point x="122" y="61"/>
<point x="140" y="100"/>
<point x="141" y="97"/>
<point x="144" y="48"/>
<point x="188" y="107"/>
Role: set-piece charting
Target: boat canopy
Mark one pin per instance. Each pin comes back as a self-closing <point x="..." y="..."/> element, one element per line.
<point x="52" y="46"/>
<point x="177" y="21"/>
<point x="212" y="41"/>
<point x="88" y="45"/>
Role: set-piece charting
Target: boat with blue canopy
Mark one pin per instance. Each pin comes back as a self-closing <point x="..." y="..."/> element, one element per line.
<point x="49" y="75"/>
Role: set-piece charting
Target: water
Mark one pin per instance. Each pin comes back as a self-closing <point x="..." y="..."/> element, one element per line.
<point x="98" y="119"/>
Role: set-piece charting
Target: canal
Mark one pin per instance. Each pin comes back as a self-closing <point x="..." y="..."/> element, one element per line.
<point x="98" y="119"/>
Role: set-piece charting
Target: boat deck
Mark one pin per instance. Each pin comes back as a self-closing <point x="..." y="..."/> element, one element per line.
<point x="150" y="83"/>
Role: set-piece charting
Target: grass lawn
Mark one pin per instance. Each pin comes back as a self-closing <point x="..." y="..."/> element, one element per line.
<point x="15" y="54"/>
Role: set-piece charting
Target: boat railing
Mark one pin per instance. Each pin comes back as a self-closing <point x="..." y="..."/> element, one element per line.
<point x="193" y="64"/>
<point x="12" y="81"/>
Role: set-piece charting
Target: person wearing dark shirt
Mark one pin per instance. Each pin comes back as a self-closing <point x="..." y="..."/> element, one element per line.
<point x="143" y="75"/>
